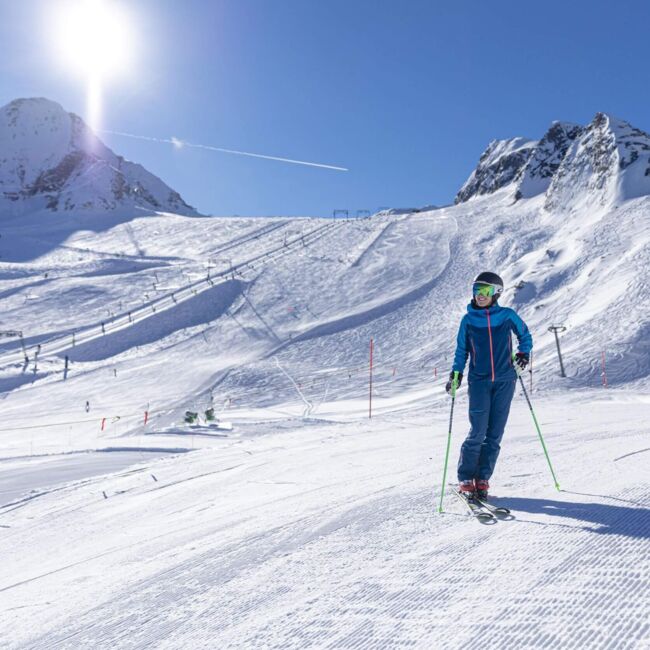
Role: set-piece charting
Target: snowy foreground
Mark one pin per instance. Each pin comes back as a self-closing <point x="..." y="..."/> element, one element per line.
<point x="309" y="525"/>
<point x="324" y="535"/>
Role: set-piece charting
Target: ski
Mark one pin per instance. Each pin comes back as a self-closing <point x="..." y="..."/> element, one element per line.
<point x="500" y="511"/>
<point x="475" y="508"/>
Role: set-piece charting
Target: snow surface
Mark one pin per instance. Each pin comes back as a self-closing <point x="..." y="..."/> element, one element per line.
<point x="310" y="525"/>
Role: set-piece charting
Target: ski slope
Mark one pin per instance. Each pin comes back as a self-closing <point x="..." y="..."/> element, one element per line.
<point x="323" y="535"/>
<point x="310" y="525"/>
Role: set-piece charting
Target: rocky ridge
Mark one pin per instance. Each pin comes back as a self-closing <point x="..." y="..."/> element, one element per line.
<point x="51" y="161"/>
<point x="603" y="163"/>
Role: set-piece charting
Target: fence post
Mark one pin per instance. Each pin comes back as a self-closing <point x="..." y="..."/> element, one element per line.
<point x="38" y="350"/>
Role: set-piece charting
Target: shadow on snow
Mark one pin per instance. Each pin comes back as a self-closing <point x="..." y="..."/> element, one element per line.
<point x="629" y="521"/>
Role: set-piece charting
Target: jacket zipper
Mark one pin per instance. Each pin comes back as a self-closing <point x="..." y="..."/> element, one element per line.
<point x="490" y="335"/>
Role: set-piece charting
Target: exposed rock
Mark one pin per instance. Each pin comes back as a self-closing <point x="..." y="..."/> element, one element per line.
<point x="546" y="159"/>
<point x="609" y="162"/>
<point x="606" y="162"/>
<point x="500" y="164"/>
<point x="51" y="161"/>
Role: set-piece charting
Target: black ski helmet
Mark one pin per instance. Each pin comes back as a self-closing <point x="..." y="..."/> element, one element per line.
<point x="487" y="277"/>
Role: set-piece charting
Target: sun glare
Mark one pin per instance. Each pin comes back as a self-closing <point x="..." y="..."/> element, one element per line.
<point x="93" y="39"/>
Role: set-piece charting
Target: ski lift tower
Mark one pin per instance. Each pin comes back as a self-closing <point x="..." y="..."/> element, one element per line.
<point x="555" y="329"/>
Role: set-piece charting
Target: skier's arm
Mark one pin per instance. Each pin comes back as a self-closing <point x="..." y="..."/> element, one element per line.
<point x="462" y="349"/>
<point x="523" y="334"/>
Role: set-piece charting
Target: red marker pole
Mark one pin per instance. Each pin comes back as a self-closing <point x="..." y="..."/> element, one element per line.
<point x="103" y="423"/>
<point x="370" y="391"/>
<point x="146" y="416"/>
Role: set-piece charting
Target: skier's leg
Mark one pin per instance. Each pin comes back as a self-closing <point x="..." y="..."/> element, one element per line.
<point x="479" y="412"/>
<point x="499" y="410"/>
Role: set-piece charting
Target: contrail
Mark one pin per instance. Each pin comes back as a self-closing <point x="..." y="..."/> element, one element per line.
<point x="183" y="143"/>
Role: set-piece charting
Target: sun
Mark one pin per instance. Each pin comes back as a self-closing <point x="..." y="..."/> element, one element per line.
<point x="92" y="39"/>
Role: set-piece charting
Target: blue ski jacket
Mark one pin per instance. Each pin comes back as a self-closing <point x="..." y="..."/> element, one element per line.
<point x="485" y="335"/>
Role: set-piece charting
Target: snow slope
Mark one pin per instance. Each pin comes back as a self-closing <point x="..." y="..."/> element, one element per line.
<point x="324" y="536"/>
<point x="310" y="525"/>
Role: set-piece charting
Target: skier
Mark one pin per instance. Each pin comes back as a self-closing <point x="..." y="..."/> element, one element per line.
<point x="485" y="335"/>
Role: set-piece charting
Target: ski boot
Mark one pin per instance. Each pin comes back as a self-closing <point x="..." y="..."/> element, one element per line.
<point x="482" y="487"/>
<point x="467" y="489"/>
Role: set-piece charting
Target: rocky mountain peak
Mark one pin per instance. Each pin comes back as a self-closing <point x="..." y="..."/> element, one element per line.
<point x="51" y="161"/>
<point x="500" y="164"/>
<point x="609" y="162"/>
<point x="606" y="161"/>
<point x="545" y="159"/>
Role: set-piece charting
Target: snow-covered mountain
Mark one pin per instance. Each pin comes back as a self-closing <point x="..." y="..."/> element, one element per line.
<point x="500" y="165"/>
<point x="599" y="165"/>
<point x="607" y="164"/>
<point x="310" y="524"/>
<point x="51" y="161"/>
<point x="545" y="159"/>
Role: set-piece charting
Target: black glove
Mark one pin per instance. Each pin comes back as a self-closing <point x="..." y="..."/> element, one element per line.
<point x="521" y="361"/>
<point x="451" y="379"/>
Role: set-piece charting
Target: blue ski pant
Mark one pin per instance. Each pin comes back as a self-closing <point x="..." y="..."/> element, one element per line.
<point x="489" y="406"/>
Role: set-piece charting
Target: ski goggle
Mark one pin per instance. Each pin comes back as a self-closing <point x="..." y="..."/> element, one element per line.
<point x="479" y="289"/>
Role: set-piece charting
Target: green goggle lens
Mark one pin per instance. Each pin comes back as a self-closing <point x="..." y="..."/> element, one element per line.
<point x="486" y="290"/>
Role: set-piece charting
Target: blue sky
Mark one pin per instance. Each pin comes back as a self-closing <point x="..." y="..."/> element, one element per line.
<point x="405" y="94"/>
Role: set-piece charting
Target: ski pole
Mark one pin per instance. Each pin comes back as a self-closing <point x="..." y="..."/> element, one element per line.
<point x="539" y="433"/>
<point x="454" y="384"/>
